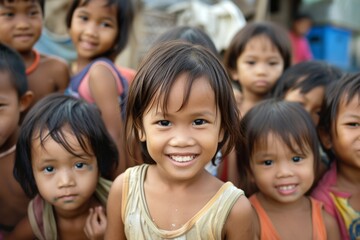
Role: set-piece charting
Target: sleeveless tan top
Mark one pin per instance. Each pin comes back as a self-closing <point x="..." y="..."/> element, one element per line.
<point x="206" y="224"/>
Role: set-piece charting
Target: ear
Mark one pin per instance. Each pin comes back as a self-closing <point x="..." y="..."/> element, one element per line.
<point x="26" y="100"/>
<point x="141" y="135"/>
<point x="234" y="75"/>
<point x="221" y="135"/>
<point x="325" y="138"/>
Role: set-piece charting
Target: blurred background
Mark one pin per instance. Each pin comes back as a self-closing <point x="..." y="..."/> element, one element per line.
<point x="333" y="33"/>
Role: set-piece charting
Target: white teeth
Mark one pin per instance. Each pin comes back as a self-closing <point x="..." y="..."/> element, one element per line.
<point x="182" y="158"/>
<point x="285" y="188"/>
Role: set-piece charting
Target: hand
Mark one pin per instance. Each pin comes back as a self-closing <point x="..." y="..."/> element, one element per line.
<point x="95" y="224"/>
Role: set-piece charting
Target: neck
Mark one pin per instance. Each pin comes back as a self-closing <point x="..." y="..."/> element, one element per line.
<point x="348" y="176"/>
<point x="271" y="205"/>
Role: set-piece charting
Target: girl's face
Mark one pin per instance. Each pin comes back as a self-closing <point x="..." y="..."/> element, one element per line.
<point x="281" y="175"/>
<point x="20" y="24"/>
<point x="94" y="29"/>
<point x="311" y="100"/>
<point x="345" y="137"/>
<point x="64" y="180"/>
<point x="259" y="66"/>
<point x="183" y="141"/>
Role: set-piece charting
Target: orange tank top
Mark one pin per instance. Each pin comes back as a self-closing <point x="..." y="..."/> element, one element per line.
<point x="268" y="231"/>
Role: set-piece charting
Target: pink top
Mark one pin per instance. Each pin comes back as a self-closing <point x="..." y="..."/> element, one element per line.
<point x="300" y="48"/>
<point x="336" y="203"/>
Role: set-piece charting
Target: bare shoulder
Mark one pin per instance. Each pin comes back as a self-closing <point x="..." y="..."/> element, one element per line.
<point x="53" y="61"/>
<point x="240" y="222"/>
<point x="22" y="230"/>
<point x="115" y="226"/>
<point x="104" y="71"/>
<point x="332" y="227"/>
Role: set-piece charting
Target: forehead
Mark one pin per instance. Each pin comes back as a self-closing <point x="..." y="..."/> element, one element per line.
<point x="100" y="5"/>
<point x="182" y="91"/>
<point x="261" y="43"/>
<point x="6" y="83"/>
<point x="349" y="105"/>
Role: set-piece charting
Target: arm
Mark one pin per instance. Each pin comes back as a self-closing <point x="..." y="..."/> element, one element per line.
<point x="103" y="89"/>
<point x="240" y="223"/>
<point x="22" y="231"/>
<point x="62" y="75"/>
<point x="115" y="226"/>
<point x="332" y="228"/>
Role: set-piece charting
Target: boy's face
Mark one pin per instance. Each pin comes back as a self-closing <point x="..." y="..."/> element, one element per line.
<point x="345" y="137"/>
<point x="10" y="108"/>
<point x="20" y="24"/>
<point x="311" y="100"/>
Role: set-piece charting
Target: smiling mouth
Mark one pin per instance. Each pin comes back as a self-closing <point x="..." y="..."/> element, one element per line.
<point x="182" y="159"/>
<point x="286" y="188"/>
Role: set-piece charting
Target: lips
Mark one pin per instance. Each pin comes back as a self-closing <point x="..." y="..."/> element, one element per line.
<point x="88" y="45"/>
<point x="23" y="37"/>
<point x="67" y="198"/>
<point x="286" y="189"/>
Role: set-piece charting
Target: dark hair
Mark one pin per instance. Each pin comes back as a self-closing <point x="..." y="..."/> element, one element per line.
<point x="41" y="3"/>
<point x="342" y="91"/>
<point x="51" y="114"/>
<point x="156" y="75"/>
<point x="287" y="120"/>
<point x="302" y="15"/>
<point x="12" y="63"/>
<point x="276" y="34"/>
<point x="190" y="34"/>
<point x="125" y="15"/>
<point x="306" y="76"/>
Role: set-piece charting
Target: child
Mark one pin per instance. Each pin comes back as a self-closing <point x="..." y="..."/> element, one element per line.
<point x="20" y="28"/>
<point x="305" y="83"/>
<point x="99" y="30"/>
<point x="278" y="161"/>
<point x="340" y="134"/>
<point x="182" y="110"/>
<point x="62" y="160"/>
<point x="14" y="99"/>
<point x="256" y="57"/>
<point x="193" y="35"/>
<point x="300" y="26"/>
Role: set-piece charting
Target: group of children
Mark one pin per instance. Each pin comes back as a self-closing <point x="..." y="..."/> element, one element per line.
<point x="287" y="135"/>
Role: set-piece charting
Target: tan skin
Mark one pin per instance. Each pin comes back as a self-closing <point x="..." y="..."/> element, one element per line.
<point x="275" y="167"/>
<point x="258" y="68"/>
<point x="79" y="227"/>
<point x="13" y="200"/>
<point x="21" y="25"/>
<point x="93" y="30"/>
<point x="291" y="215"/>
<point x="168" y="191"/>
<point x="162" y="209"/>
<point x="343" y="139"/>
<point x="57" y="173"/>
<point x="52" y="75"/>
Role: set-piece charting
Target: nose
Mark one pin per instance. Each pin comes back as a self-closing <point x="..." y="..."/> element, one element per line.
<point x="22" y="22"/>
<point x="284" y="169"/>
<point x="66" y="178"/>
<point x="261" y="69"/>
<point x="90" y="29"/>
<point x="182" y="138"/>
